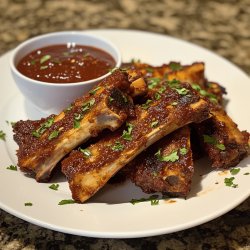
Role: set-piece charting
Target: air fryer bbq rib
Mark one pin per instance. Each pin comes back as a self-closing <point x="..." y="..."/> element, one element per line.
<point x="169" y="176"/>
<point x="42" y="144"/>
<point x="166" y="166"/>
<point x="89" y="169"/>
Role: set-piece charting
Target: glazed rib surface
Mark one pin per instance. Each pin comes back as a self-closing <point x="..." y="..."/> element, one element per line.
<point x="42" y="144"/>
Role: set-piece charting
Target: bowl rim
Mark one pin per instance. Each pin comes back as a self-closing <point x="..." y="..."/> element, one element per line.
<point x="63" y="33"/>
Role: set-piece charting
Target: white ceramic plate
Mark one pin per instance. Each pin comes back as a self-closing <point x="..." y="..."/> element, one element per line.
<point x="109" y="213"/>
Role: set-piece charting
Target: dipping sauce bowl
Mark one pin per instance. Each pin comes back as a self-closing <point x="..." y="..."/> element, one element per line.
<point x="52" y="96"/>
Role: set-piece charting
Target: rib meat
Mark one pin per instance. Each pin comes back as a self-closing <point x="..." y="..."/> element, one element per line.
<point x="223" y="142"/>
<point x="88" y="170"/>
<point x="42" y="144"/>
<point x="166" y="166"/>
<point x="146" y="170"/>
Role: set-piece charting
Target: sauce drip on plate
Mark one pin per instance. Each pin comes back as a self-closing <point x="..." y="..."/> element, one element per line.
<point x="66" y="63"/>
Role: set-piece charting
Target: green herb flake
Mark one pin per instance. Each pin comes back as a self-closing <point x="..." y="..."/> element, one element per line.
<point x="86" y="152"/>
<point x="172" y="157"/>
<point x="229" y="182"/>
<point x="117" y="146"/>
<point x="77" y="119"/>
<point x="234" y="171"/>
<point x="174" y="83"/>
<point x="45" y="58"/>
<point x="12" y="167"/>
<point x="87" y="105"/>
<point x="126" y="135"/>
<point x="37" y="133"/>
<point x="113" y="70"/>
<point x="153" y="82"/>
<point x="65" y="202"/>
<point x="111" y="99"/>
<point x="93" y="91"/>
<point x="68" y="108"/>
<point x="154" y="124"/>
<point x="147" y="104"/>
<point x="203" y="92"/>
<point x="174" y="103"/>
<point x="162" y="89"/>
<point x="183" y="151"/>
<point x="2" y="135"/>
<point x="220" y="146"/>
<point x="33" y="62"/>
<point x="175" y="66"/>
<point x="54" y="187"/>
<point x="28" y="204"/>
<point x="53" y="134"/>
<point x="157" y="96"/>
<point x="154" y="200"/>
<point x="44" y="67"/>
<point x="182" y="91"/>
<point x="212" y="140"/>
<point x="246" y="173"/>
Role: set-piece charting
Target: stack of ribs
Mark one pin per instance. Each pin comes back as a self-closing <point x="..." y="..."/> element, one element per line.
<point x="141" y="118"/>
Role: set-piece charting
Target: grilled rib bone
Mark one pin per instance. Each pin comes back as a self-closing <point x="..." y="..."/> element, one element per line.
<point x="88" y="173"/>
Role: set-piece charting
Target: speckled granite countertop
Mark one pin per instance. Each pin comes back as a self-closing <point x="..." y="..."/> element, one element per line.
<point x="221" y="26"/>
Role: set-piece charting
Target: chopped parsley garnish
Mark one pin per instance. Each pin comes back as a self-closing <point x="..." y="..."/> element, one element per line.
<point x="174" y="83"/>
<point x="93" y="91"/>
<point x="234" y="171"/>
<point x="113" y="70"/>
<point x="154" y="200"/>
<point x="213" y="141"/>
<point x="147" y="104"/>
<point x="126" y="135"/>
<point x="37" y="133"/>
<point x="2" y="135"/>
<point x="182" y="91"/>
<point x="157" y="96"/>
<point x="175" y="66"/>
<point x="77" y="119"/>
<point x="28" y="204"/>
<point x="203" y="92"/>
<point x="172" y="157"/>
<point x="44" y="67"/>
<point x="54" y="186"/>
<point x="11" y="123"/>
<point x="154" y="124"/>
<point x="12" y="167"/>
<point x="87" y="105"/>
<point x="153" y="82"/>
<point x="118" y="146"/>
<point x="65" y="202"/>
<point x="53" y="134"/>
<point x="85" y="152"/>
<point x="134" y="60"/>
<point x="229" y="182"/>
<point x="161" y="89"/>
<point x="45" y="58"/>
<point x="68" y="108"/>
<point x="111" y="99"/>
<point x="183" y="151"/>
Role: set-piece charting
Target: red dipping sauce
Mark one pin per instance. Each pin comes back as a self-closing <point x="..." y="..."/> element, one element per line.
<point x="67" y="63"/>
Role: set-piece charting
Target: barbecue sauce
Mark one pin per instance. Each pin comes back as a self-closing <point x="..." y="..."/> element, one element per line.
<point x="66" y="63"/>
